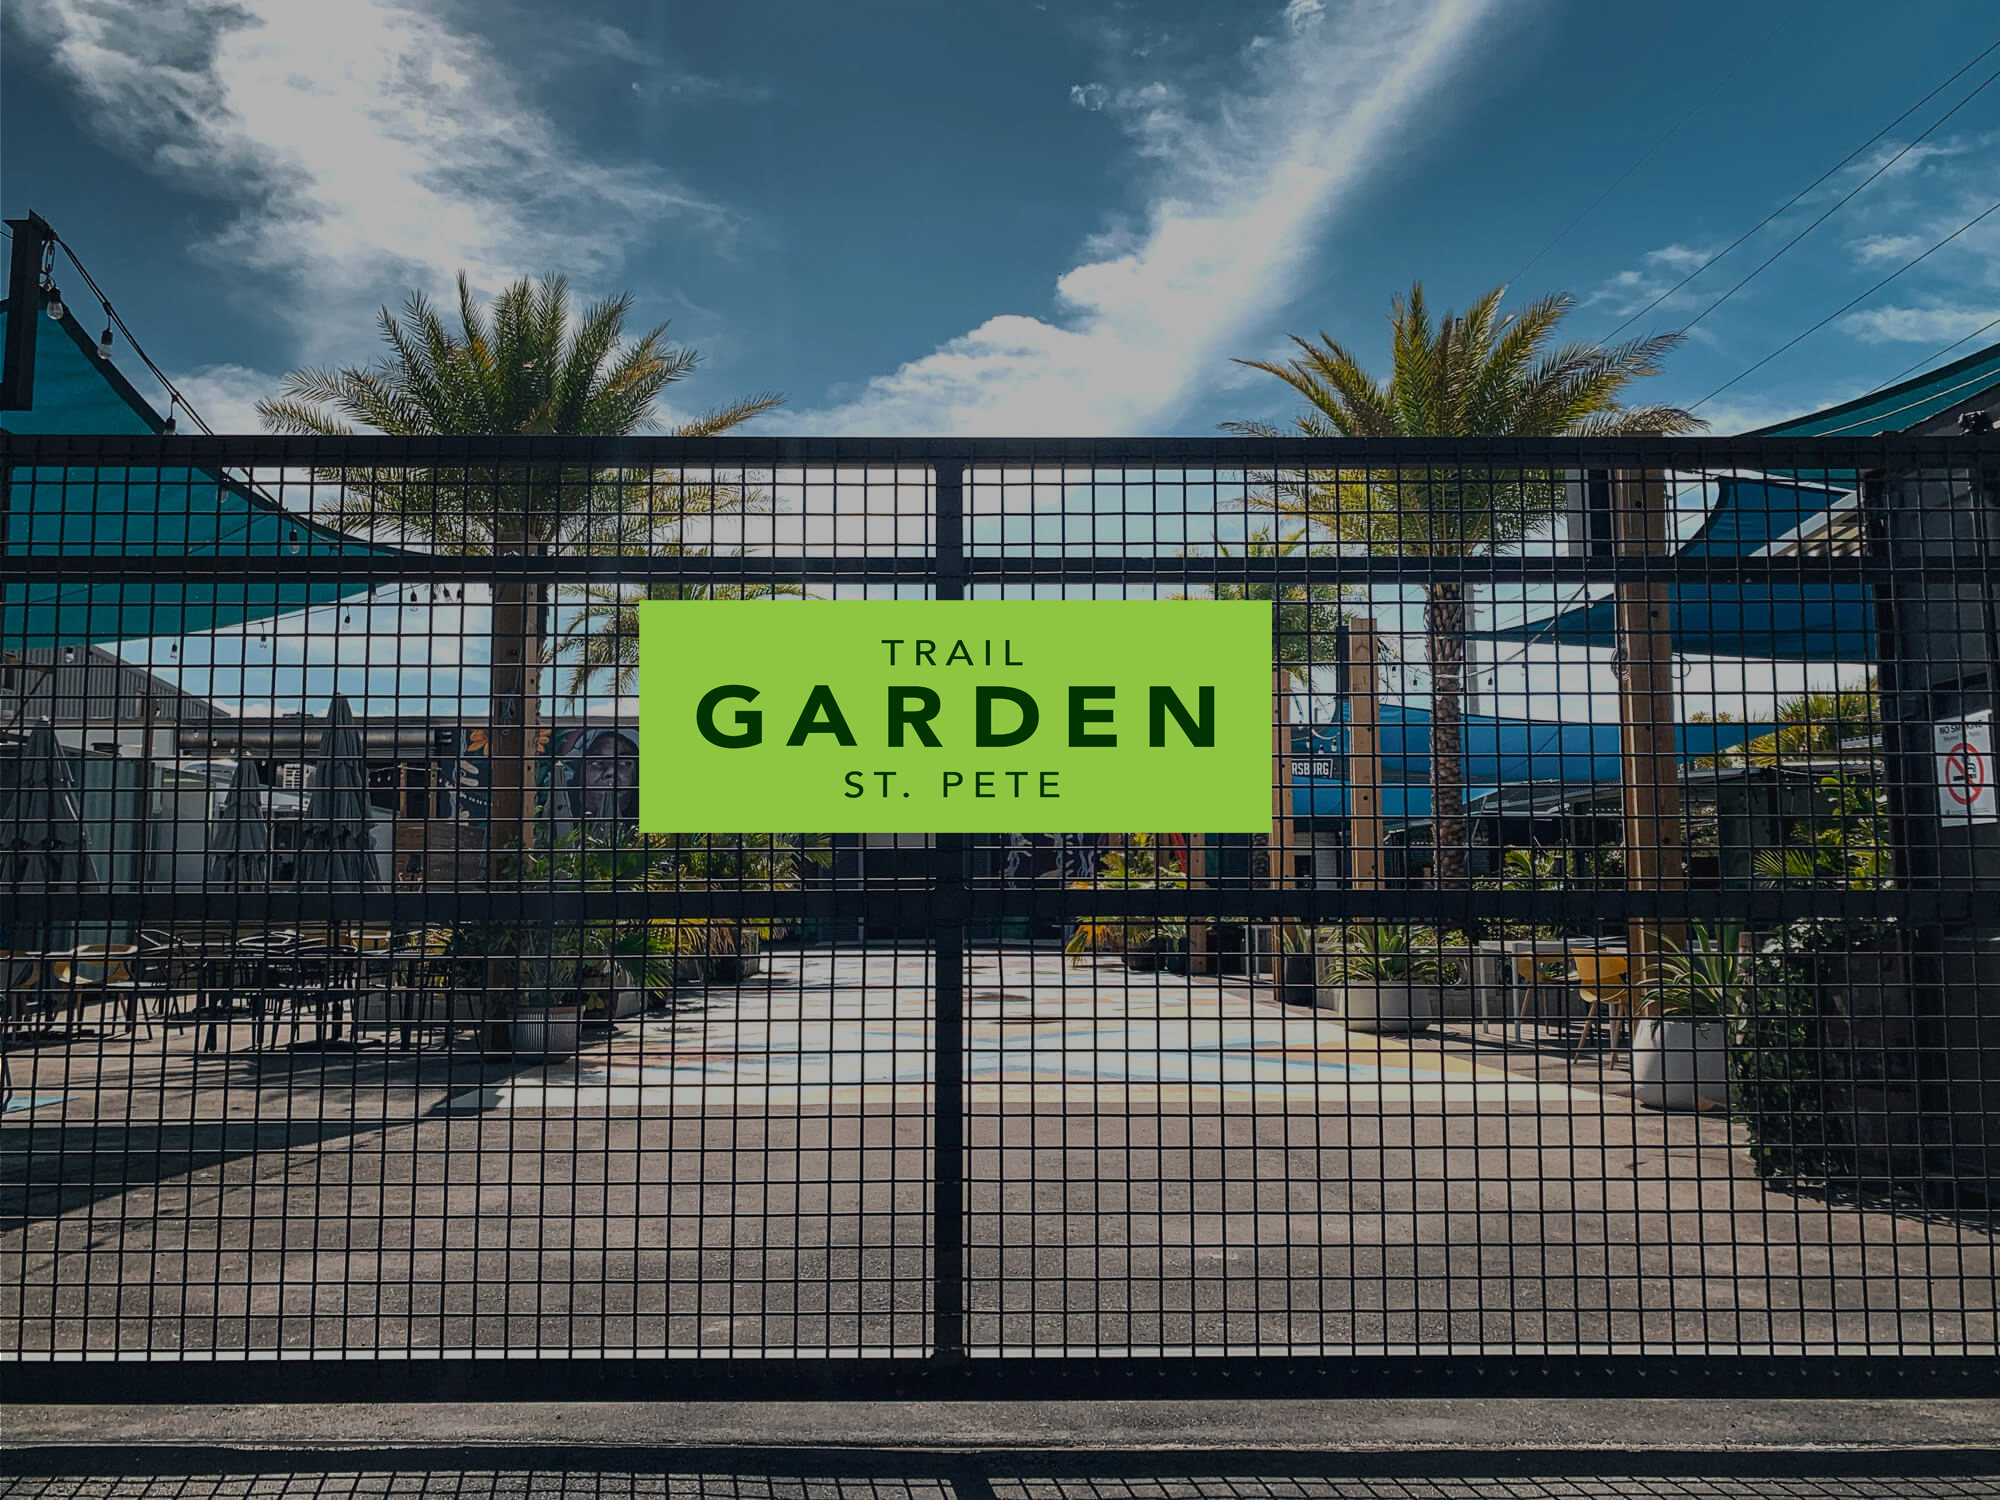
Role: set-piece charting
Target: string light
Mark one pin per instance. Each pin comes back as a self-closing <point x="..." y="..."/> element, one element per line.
<point x="55" y="302"/>
<point x="172" y="406"/>
<point x="104" y="338"/>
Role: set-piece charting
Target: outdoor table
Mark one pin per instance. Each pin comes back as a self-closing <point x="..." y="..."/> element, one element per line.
<point x="219" y="964"/>
<point x="1496" y="977"/>
<point x="402" y="994"/>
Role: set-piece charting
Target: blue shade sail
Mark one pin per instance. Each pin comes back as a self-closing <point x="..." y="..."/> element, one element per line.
<point x="1770" y="622"/>
<point x="1497" y="753"/>
<point x="1750" y="513"/>
<point x="1827" y="622"/>
<point x="168" y="512"/>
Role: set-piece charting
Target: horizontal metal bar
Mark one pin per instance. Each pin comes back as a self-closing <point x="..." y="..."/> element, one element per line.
<point x="1231" y="454"/>
<point x="918" y="904"/>
<point x="85" y="567"/>
<point x="1914" y="1468"/>
<point x="752" y="1376"/>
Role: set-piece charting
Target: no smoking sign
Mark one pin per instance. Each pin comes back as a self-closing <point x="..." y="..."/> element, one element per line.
<point x="1965" y="770"/>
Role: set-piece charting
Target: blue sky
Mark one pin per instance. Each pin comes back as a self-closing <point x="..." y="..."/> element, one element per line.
<point x="1011" y="217"/>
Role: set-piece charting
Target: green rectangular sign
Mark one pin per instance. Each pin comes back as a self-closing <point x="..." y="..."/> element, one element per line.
<point x="946" y="716"/>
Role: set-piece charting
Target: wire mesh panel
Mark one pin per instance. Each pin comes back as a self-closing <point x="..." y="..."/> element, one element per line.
<point x="1612" y="992"/>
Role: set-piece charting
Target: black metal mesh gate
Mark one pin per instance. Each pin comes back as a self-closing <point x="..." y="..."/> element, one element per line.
<point x="1654" y="1051"/>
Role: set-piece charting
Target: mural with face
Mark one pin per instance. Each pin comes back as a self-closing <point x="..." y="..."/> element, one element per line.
<point x="604" y="776"/>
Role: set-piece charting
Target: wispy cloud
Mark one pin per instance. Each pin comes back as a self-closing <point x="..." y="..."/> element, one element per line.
<point x="1874" y="248"/>
<point x="1635" y="286"/>
<point x="1917" y="325"/>
<point x="1247" y="183"/>
<point x="363" y="144"/>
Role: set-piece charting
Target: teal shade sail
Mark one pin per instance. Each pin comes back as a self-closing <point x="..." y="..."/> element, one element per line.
<point x="1900" y="407"/>
<point x="1764" y="621"/>
<point x="164" y="512"/>
<point x="1497" y="753"/>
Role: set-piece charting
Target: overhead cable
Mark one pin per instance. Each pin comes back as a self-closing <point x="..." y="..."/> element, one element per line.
<point x="1850" y="303"/>
<point x="1789" y="202"/>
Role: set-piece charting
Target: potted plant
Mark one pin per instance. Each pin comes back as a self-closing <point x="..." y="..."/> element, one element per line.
<point x="1163" y="946"/>
<point x="1385" y="977"/>
<point x="1680" y="1031"/>
<point x="545" y="1018"/>
<point x="1141" y="942"/>
<point x="1298" y="978"/>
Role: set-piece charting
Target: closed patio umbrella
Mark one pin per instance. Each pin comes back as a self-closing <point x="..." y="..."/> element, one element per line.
<point x="43" y="846"/>
<point x="333" y="836"/>
<point x="239" y="844"/>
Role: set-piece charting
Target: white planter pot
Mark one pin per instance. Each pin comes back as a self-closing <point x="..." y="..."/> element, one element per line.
<point x="1391" y="1006"/>
<point x="1680" y="1063"/>
<point x="545" y="1030"/>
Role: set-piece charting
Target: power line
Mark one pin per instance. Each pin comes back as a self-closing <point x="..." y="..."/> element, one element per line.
<point x="1935" y="353"/>
<point x="1842" y="203"/>
<point x="1716" y="259"/>
<point x="1907" y="265"/>
<point x="1646" y="155"/>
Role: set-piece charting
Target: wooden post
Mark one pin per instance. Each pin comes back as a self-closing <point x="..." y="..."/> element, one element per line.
<point x="1649" y="765"/>
<point x="1200" y="960"/>
<point x="1364" y="759"/>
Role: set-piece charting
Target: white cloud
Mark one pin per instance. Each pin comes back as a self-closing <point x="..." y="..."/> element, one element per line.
<point x="1246" y="187"/>
<point x="226" y="396"/>
<point x="1881" y="247"/>
<point x="1916" y="325"/>
<point x="364" y="144"/>
<point x="1090" y="96"/>
<point x="1634" y="287"/>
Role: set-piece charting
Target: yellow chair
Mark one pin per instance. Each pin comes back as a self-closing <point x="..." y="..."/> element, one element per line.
<point x="1602" y="985"/>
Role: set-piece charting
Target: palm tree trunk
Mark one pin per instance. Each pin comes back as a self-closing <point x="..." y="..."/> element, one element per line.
<point x="514" y="709"/>
<point x="1444" y="629"/>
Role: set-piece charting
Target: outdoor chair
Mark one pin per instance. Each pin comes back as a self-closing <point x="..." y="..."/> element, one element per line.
<point x="105" y="972"/>
<point x="21" y="979"/>
<point x="1601" y="983"/>
<point x="1535" y="975"/>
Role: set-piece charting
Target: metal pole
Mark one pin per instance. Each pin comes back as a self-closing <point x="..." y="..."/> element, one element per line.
<point x="24" y="307"/>
<point x="1364" y="758"/>
<point x="948" y="991"/>
<point x="1280" y="862"/>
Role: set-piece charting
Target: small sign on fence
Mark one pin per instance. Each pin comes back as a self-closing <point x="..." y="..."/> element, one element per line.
<point x="1965" y="770"/>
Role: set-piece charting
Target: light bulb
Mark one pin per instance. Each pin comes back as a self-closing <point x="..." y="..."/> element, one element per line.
<point x="104" y="343"/>
<point x="168" y="429"/>
<point x="55" y="302"/>
<point x="292" y="540"/>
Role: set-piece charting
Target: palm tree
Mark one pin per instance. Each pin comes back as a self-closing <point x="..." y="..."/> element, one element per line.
<point x="1475" y="374"/>
<point x="1306" y="616"/>
<point x="524" y="366"/>
<point x="605" y="631"/>
<point x="1818" y="723"/>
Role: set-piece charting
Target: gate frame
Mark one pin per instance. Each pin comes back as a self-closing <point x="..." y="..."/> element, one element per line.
<point x="952" y="1371"/>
